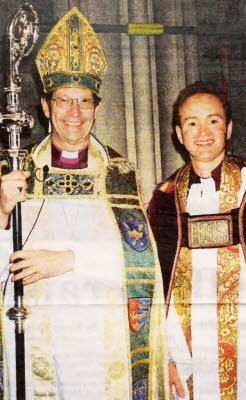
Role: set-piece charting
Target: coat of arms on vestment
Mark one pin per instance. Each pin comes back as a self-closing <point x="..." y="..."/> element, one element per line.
<point x="135" y="234"/>
<point x="139" y="311"/>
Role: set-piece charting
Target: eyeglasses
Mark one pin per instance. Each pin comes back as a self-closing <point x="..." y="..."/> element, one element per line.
<point x="67" y="102"/>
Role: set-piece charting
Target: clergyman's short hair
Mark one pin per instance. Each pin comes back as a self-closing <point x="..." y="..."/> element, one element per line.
<point x="195" y="88"/>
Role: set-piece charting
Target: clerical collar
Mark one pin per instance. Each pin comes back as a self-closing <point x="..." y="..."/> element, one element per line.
<point x="216" y="175"/>
<point x="69" y="159"/>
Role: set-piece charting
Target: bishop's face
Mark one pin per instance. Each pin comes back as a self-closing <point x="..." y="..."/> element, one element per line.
<point x="203" y="129"/>
<point x="71" y="126"/>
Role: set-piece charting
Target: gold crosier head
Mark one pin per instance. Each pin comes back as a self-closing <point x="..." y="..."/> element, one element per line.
<point x="71" y="55"/>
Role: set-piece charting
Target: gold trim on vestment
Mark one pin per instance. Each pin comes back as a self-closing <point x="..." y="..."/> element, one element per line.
<point x="120" y="196"/>
<point x="142" y="350"/>
<point x="129" y="206"/>
<point x="139" y="362"/>
<point x="140" y="281"/>
<point x="228" y="280"/>
<point x="182" y="292"/>
<point x="182" y="187"/>
<point x="139" y="269"/>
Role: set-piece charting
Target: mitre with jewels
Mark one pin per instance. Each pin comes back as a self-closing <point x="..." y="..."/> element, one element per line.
<point x="71" y="55"/>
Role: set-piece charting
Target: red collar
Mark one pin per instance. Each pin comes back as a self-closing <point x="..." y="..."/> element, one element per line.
<point x="59" y="160"/>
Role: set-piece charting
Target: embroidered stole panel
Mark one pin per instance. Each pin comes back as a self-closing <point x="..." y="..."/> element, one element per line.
<point x="228" y="276"/>
<point x="139" y="272"/>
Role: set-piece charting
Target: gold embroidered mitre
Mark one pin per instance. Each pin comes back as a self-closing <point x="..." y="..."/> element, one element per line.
<point x="71" y="55"/>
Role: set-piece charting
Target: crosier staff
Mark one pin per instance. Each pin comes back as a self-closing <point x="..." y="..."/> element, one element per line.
<point x="22" y="35"/>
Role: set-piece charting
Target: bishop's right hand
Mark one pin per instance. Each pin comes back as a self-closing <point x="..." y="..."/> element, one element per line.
<point x="12" y="191"/>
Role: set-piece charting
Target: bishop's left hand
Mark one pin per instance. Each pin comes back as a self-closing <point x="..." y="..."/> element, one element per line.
<point x="39" y="264"/>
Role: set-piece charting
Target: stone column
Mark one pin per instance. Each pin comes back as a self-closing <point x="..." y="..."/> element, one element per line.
<point x="142" y="99"/>
<point x="190" y="42"/>
<point x="176" y="57"/>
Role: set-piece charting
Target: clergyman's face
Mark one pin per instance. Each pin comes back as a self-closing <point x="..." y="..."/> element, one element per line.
<point x="70" y="126"/>
<point x="203" y="129"/>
